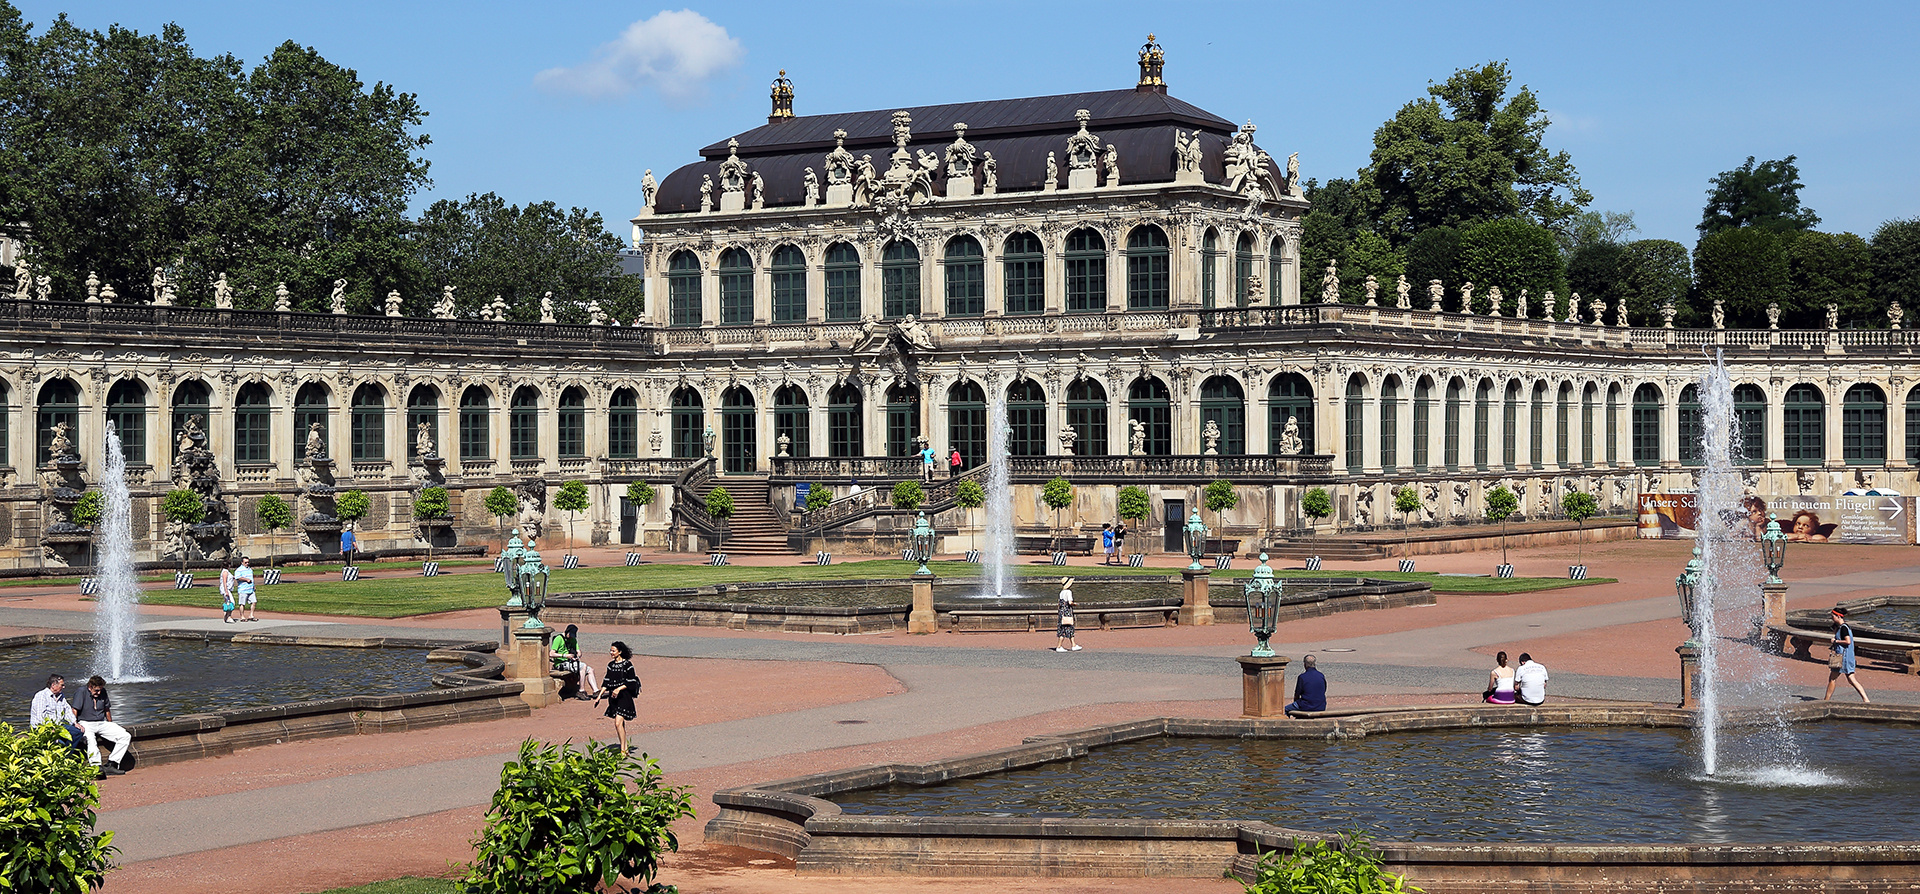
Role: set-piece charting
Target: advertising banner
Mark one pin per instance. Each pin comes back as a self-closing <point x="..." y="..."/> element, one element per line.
<point x="1804" y="518"/>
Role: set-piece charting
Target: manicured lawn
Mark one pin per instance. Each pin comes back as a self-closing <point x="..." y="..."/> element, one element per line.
<point x="414" y="595"/>
<point x="402" y="886"/>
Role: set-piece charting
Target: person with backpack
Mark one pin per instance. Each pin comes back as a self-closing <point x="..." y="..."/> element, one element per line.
<point x="226" y="592"/>
<point x="1841" y="662"/>
<point x="619" y="685"/>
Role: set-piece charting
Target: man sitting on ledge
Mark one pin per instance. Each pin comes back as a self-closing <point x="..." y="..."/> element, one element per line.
<point x="1309" y="690"/>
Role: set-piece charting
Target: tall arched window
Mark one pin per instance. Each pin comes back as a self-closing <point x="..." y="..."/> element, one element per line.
<point x="312" y="405"/>
<point x="423" y="408"/>
<point x="1913" y="426"/>
<point x="1087" y="413"/>
<point x="1613" y="425"/>
<point x="1510" y="425"/>
<point x="1026" y="419"/>
<point x="1224" y="404"/>
<point x="844" y="428"/>
<point x="1589" y="396"/>
<point x="1422" y="424"/>
<point x="252" y="424"/>
<point x="899" y="279"/>
<point x="1562" y="411"/>
<point x="1750" y="408"/>
<point x="1691" y="450"/>
<point x="1450" y="431"/>
<point x="1149" y="404"/>
<point x="738" y="431"/>
<point x="368" y="423"/>
<point x="6" y="425"/>
<point x="476" y="425"/>
<point x="736" y="287"/>
<point x="903" y="419"/>
<point x="790" y="418"/>
<point x="843" y="282"/>
<point x="688" y="417"/>
<point x="570" y="423"/>
<point x="623" y="424"/>
<point x="1390" y="424"/>
<point x="1646" y="425"/>
<point x="1356" y="413"/>
<point x="1863" y="426"/>
<point x="127" y="413"/>
<point x="1482" y="423"/>
<point x="967" y="420"/>
<point x="1209" y="269"/>
<point x="59" y="403"/>
<point x="1086" y="271"/>
<point x="1537" y="426"/>
<point x="788" y="273"/>
<point x="1149" y="277"/>
<point x="1289" y="397"/>
<point x="1276" y="267"/>
<point x="523" y="424"/>
<point x="1243" y="269"/>
<point x="966" y="277"/>
<point x="1803" y="418"/>
<point x="683" y="289"/>
<point x="1023" y="271"/>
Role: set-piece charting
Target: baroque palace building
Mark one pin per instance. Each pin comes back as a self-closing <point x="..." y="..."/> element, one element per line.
<point x="1116" y="272"/>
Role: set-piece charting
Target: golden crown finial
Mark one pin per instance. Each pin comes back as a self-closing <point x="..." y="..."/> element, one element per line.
<point x="1152" y="61"/>
<point x="782" y="99"/>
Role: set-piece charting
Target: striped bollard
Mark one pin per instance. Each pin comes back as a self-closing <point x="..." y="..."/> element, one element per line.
<point x="1221" y="563"/>
<point x="717" y="559"/>
<point x="183" y="580"/>
<point x="89" y="586"/>
<point x="500" y="565"/>
<point x="1406" y="566"/>
<point x="1059" y="558"/>
<point x="349" y="572"/>
<point x="269" y="577"/>
<point x="430" y="569"/>
<point x="1137" y="560"/>
<point x="1313" y="563"/>
<point x="823" y="558"/>
<point x="1503" y="571"/>
<point x="973" y="555"/>
<point x="570" y="562"/>
<point x="633" y="559"/>
<point x="1576" y="572"/>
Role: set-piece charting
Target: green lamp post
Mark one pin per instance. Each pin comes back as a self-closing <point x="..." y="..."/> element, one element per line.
<point x="533" y="577"/>
<point x="1263" y="603"/>
<point x="1686" y="587"/>
<point x="1773" y="549"/>
<point x="921" y="541"/>
<point x="513" y="552"/>
<point x="1196" y="532"/>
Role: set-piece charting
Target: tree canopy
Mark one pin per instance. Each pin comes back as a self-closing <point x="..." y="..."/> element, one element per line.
<point x="484" y="248"/>
<point x="1766" y="197"/>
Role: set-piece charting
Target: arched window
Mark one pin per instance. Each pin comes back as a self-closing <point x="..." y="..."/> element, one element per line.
<point x="312" y="405"/>
<point x="252" y="425"/>
<point x="523" y="424"/>
<point x="688" y="417"/>
<point x="1224" y="404"/>
<point x="1750" y="409"/>
<point x="1023" y="268"/>
<point x="1450" y="430"/>
<point x="1646" y="425"/>
<point x="1510" y="425"/>
<point x="1390" y="425"/>
<point x="1691" y="450"/>
<point x="790" y="419"/>
<point x="1537" y="426"/>
<point x="1209" y="269"/>
<point x="966" y="277"/>
<point x="59" y="403"/>
<point x="127" y="413"/>
<point x="1149" y="404"/>
<point x="1589" y="396"/>
<point x="736" y="287"/>
<point x="1863" y="426"/>
<point x="1913" y="426"/>
<point x="1562" y="422"/>
<point x="368" y="423"/>
<point x="6" y="425"/>
<point x="476" y="425"/>
<point x="844" y="429"/>
<point x="1356" y="412"/>
<point x="1422" y="424"/>
<point x="1149" y="276"/>
<point x="1482" y="423"/>
<point x="899" y="279"/>
<point x="903" y="419"/>
<point x="1803" y="417"/>
<point x="1243" y="269"/>
<point x="1026" y="419"/>
<point x="738" y="431"/>
<point x="1086" y="271"/>
<point x="1289" y="397"/>
<point x="623" y="424"/>
<point x="423" y="408"/>
<point x="1276" y="268"/>
<point x="789" y="275"/>
<point x="967" y="420"/>
<point x="570" y="436"/>
<point x="683" y="289"/>
<point x="1613" y="425"/>
<point x="843" y="282"/>
<point x="1087" y="413"/>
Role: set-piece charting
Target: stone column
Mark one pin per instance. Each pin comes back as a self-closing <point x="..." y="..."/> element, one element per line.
<point x="922" y="619"/>
<point x="1263" y="686"/>
<point x="1195" y="610"/>
<point x="1689" y="669"/>
<point x="531" y="667"/>
<point x="1773" y="604"/>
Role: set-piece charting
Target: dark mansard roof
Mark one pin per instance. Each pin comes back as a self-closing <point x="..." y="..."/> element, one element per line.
<point x="1019" y="133"/>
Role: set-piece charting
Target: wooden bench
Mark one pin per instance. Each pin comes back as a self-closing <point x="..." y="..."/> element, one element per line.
<point x="1903" y="655"/>
<point x="1031" y="545"/>
<point x="1036" y="618"/>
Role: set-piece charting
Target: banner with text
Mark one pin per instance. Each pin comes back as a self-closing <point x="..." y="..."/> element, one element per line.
<point x="1804" y="519"/>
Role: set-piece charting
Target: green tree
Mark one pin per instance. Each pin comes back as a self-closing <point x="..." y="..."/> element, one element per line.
<point x="907" y="495"/>
<point x="969" y="495"/>
<point x="574" y="822"/>
<point x="1601" y="270"/>
<point x="1219" y="496"/>
<point x="485" y="248"/>
<point x="1595" y="228"/>
<point x="1406" y="501"/>
<point x="1766" y="197"/>
<point x="1434" y="254"/>
<point x="501" y="503"/>
<point x="431" y="503"/>
<point x="1132" y="504"/>
<point x="1351" y="865"/>
<point x="1512" y="254"/>
<point x="352" y="506"/>
<point x="1656" y="272"/>
<point x="1460" y="156"/>
<point x="720" y="506"/>
<point x="1501" y="504"/>
<point x="1579" y="506"/>
<point x="87" y="510"/>
<point x="571" y="499"/>
<point x="1317" y="504"/>
<point x="1058" y="495"/>
<point x="820" y="496"/>
<point x="276" y="515"/>
<point x="47" y="843"/>
<point x="1896" y="262"/>
<point x="1337" y="230"/>
<point x="1836" y="268"/>
<point x="183" y="506"/>
<point x="1746" y="268"/>
<point x="640" y="493"/>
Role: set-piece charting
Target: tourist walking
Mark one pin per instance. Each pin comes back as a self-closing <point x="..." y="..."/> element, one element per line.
<point x="243" y="598"/>
<point x="566" y="659"/>
<point x="1499" y="682"/>
<point x="226" y="592"/>
<point x="1120" y="541"/>
<point x="346" y="545"/>
<point x="1309" y="689"/>
<point x="1841" y="661"/>
<point x="1107" y="542"/>
<point x="1530" y="681"/>
<point x="50" y="706"/>
<point x="954" y="462"/>
<point x="926" y="463"/>
<point x="619" y="686"/>
<point x="93" y="709"/>
<point x="1064" y="632"/>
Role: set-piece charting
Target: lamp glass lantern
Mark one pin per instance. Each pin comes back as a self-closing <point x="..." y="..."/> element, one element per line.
<point x="1686" y="586"/>
<point x="1263" y="605"/>
<point x="921" y="541"/>
<point x="533" y="578"/>
<point x="1773" y="548"/>
<point x="513" y="552"/>
<point x="1196" y="532"/>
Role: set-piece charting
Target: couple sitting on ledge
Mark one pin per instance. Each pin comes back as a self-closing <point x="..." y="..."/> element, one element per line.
<point x="1526" y="684"/>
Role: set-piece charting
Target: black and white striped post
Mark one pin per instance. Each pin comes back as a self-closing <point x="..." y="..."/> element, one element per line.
<point x="1059" y="558"/>
<point x="430" y="569"/>
<point x="1137" y="560"/>
<point x="1313" y="563"/>
<point x="183" y="580"/>
<point x="717" y="559"/>
<point x="1222" y="562"/>
<point x="633" y="559"/>
<point x="269" y="577"/>
<point x="89" y="586"/>
<point x="1406" y="566"/>
<point x="1576" y="572"/>
<point x="973" y="555"/>
<point x="349" y="572"/>
<point x="500" y="564"/>
<point x="1503" y="571"/>
<point x="823" y="558"/>
<point x="570" y="562"/>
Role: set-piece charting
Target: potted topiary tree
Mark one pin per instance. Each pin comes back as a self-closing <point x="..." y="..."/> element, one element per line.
<point x="431" y="508"/>
<point x="720" y="506"/>
<point x="641" y="494"/>
<point x="183" y="507"/>
<point x="1316" y="504"/>
<point x="501" y="503"/>
<point x="969" y="495"/>
<point x="1406" y="501"/>
<point x="907" y="495"/>
<point x="86" y="513"/>
<point x="1219" y="496"/>
<point x="351" y="507"/>
<point x="571" y="499"/>
<point x="276" y="515"/>
<point x="1058" y="495"/>
<point x="1501" y="504"/>
<point x="819" y="497"/>
<point x="1579" y="506"/>
<point x="1132" y="505"/>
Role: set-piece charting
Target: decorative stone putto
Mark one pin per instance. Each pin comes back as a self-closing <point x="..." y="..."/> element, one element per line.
<point x="1083" y="152"/>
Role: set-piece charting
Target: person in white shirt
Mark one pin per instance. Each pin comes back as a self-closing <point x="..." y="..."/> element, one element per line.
<point x="50" y="706"/>
<point x="1530" y="678"/>
<point x="94" y="710"/>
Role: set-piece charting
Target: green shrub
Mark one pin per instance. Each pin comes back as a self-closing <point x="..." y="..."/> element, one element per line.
<point x="640" y="493"/>
<point x="571" y="498"/>
<point x="1351" y="865"/>
<point x="502" y="502"/>
<point x="352" y="506"/>
<point x="275" y="515"/>
<point x="1579" y="506"/>
<point x="431" y="503"/>
<point x="908" y="495"/>
<point x="820" y="495"/>
<point x="571" y="822"/>
<point x="88" y="510"/>
<point x="969" y="495"/>
<point x="720" y="503"/>
<point x="1316" y="503"/>
<point x="1131" y="504"/>
<point x="47" y="842"/>
<point x="1501" y="504"/>
<point x="183" y="506"/>
<point x="1219" y="496"/>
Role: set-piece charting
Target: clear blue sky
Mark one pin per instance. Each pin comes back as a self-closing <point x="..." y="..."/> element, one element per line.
<point x="1651" y="99"/>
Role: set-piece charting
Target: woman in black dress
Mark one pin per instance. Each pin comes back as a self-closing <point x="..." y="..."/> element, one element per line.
<point x="618" y="686"/>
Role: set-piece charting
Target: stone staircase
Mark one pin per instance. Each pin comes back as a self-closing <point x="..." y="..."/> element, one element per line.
<point x="754" y="530"/>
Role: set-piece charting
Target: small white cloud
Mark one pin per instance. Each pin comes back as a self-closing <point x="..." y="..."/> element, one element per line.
<point x="674" y="52"/>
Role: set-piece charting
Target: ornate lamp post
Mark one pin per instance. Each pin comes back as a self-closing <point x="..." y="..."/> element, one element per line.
<point x="921" y="542"/>
<point x="1773" y="591"/>
<point x="1263" y="603"/>
<point x="534" y="576"/>
<point x="1196" y="532"/>
<point x="513" y="553"/>
<point x="921" y="618"/>
<point x="1685" y="586"/>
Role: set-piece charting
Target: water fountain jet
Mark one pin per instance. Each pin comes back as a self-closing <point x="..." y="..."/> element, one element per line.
<point x="116" y="614"/>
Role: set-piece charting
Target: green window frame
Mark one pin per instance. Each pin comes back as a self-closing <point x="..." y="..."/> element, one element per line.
<point x="788" y="276"/>
<point x="843" y="282"/>
<point x="252" y="424"/>
<point x="311" y="404"/>
<point x="1087" y="413"/>
<point x="687" y="417"/>
<point x="1589" y="433"/>
<point x="1750" y="408"/>
<point x="1482" y="423"/>
<point x="1356" y="413"/>
<point x="1243" y="259"/>
<point x="903" y="420"/>
<point x="623" y="425"/>
<point x="1422" y="425"/>
<point x="1692" y="429"/>
<point x="683" y="289"/>
<point x="1289" y="394"/>
<point x="967" y="418"/>
<point x="1613" y="426"/>
<point x="1863" y="426"/>
<point x="1510" y="425"/>
<point x="1086" y="262"/>
<point x="736" y="287"/>
<point x="1562" y="422"/>
<point x="1804" y="425"/>
<point x="570" y="424"/>
<point x="739" y="431"/>
<point x="1224" y="403"/>
<point x="1647" y="405"/>
<point x="476" y="425"/>
<point x="423" y="405"/>
<point x="1913" y="426"/>
<point x="59" y="402"/>
<point x="367" y="424"/>
<point x="1390" y="426"/>
<point x="899" y="280"/>
<point x="127" y="412"/>
<point x="1026" y="419"/>
<point x="1209" y="269"/>
<point x="792" y="417"/>
<point x="1450" y="432"/>
<point x="523" y="424"/>
<point x="1149" y="404"/>
<point x="966" y="275"/>
<point x="1149" y="269"/>
<point x="1537" y="427"/>
<point x="1023" y="270"/>
<point x="844" y="427"/>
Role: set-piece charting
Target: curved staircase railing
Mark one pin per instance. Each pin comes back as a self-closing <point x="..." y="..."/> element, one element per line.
<point x="941" y="495"/>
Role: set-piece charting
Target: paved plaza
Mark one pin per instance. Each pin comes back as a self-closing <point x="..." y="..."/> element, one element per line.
<point x="723" y="708"/>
